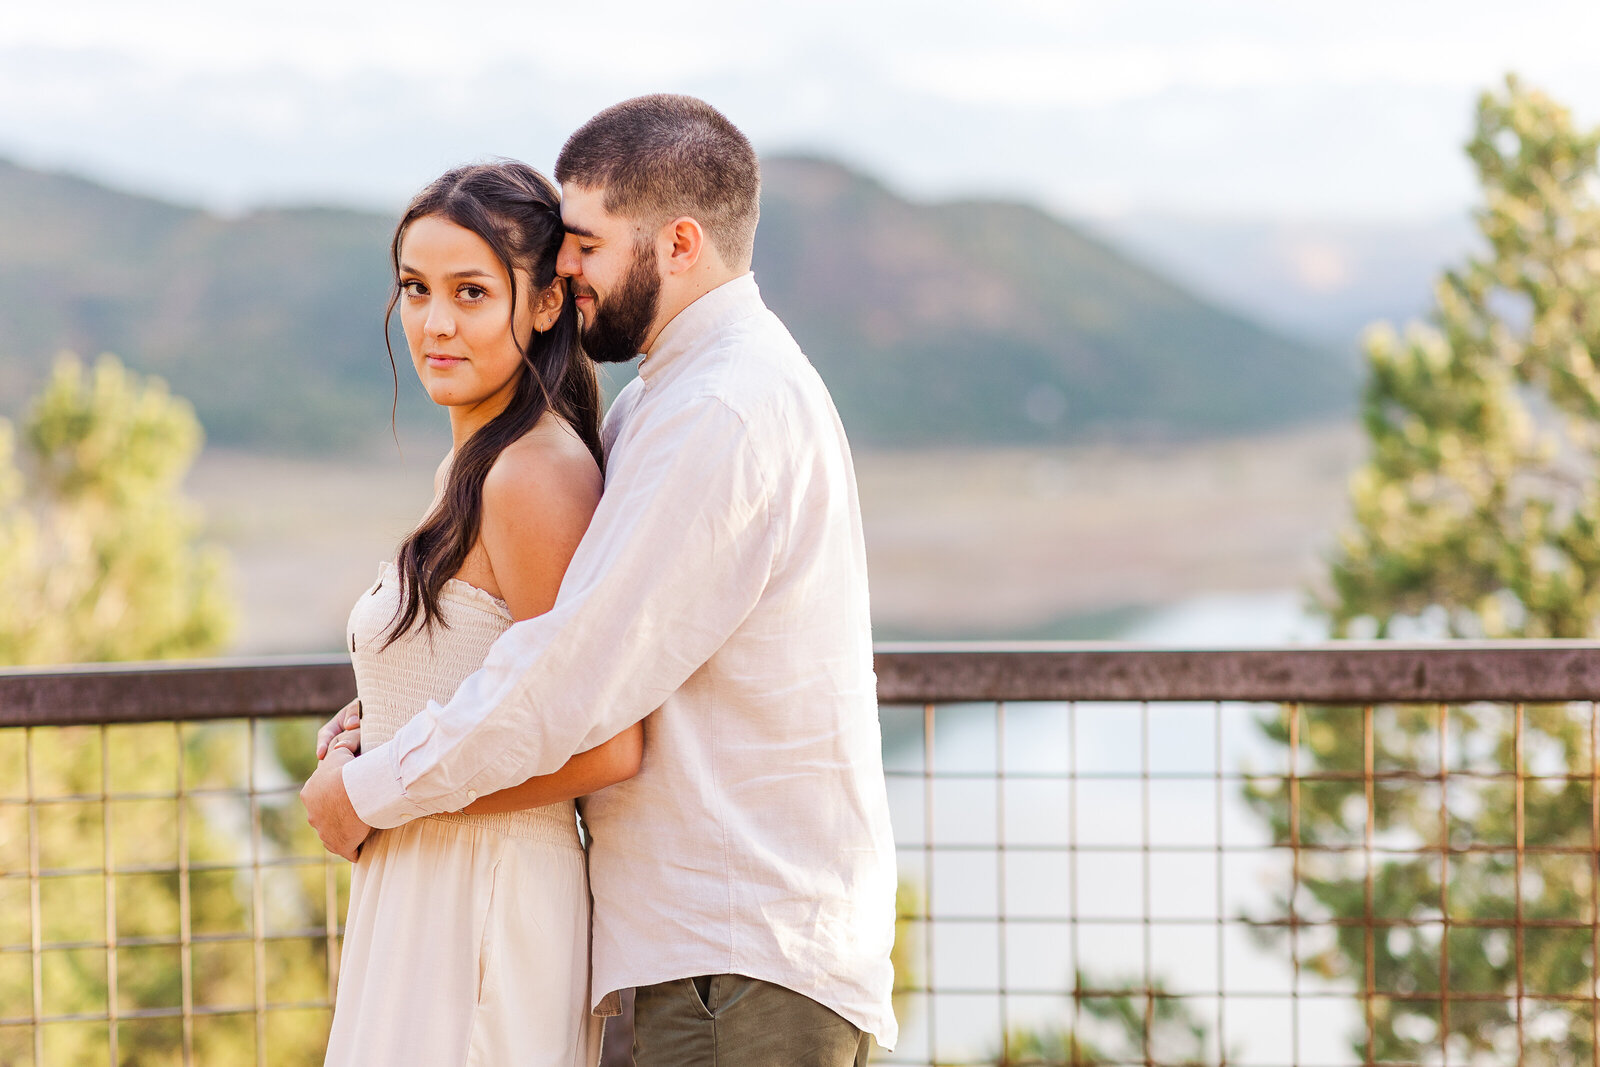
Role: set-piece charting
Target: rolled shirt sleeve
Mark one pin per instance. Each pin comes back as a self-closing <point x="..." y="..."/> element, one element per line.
<point x="675" y="558"/>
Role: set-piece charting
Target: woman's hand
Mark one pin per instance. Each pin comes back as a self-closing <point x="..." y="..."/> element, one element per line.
<point x="347" y="740"/>
<point x="328" y="807"/>
<point x="348" y="718"/>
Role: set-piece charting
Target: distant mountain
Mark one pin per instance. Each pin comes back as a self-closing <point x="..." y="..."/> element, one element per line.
<point x="946" y="323"/>
<point x="994" y="321"/>
<point x="270" y="323"/>
<point x="1322" y="280"/>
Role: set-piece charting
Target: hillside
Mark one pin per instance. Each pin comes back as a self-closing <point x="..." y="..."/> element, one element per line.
<point x="967" y="322"/>
<point x="270" y="323"/>
<point x="995" y="321"/>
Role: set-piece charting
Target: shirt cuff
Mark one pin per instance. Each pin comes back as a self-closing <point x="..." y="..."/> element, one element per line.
<point x="372" y="782"/>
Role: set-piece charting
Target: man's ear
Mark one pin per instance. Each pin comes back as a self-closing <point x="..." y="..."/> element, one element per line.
<point x="547" y="308"/>
<point x="685" y="243"/>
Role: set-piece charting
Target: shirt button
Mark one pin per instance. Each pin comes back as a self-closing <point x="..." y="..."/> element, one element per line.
<point x="472" y="794"/>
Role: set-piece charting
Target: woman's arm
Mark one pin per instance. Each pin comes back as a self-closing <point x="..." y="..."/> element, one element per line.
<point x="537" y="502"/>
<point x="615" y="761"/>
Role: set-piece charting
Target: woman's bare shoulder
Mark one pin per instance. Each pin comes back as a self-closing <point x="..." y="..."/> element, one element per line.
<point x="547" y="467"/>
<point x="538" y="499"/>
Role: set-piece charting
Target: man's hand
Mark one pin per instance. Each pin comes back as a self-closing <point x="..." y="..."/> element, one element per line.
<point x="328" y="806"/>
<point x="348" y="718"/>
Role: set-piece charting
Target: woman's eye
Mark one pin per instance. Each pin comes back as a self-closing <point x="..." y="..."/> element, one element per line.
<point x="413" y="288"/>
<point x="472" y="292"/>
<point x="584" y="250"/>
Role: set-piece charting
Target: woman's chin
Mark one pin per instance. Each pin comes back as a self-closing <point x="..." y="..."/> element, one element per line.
<point x="446" y="397"/>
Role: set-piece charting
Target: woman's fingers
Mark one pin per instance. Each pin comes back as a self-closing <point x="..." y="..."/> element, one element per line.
<point x="349" y="740"/>
<point x="347" y="716"/>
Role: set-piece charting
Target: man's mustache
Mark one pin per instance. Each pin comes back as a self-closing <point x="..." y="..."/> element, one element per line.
<point x="580" y="289"/>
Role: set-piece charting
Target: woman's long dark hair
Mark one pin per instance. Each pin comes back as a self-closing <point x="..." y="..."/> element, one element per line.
<point x="517" y="212"/>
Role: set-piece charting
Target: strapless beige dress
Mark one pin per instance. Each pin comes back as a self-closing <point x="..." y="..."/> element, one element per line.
<point x="467" y="936"/>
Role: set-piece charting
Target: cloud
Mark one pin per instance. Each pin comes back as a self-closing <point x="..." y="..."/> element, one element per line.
<point x="1230" y="106"/>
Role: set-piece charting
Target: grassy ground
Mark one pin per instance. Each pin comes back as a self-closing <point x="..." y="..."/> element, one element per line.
<point x="991" y="543"/>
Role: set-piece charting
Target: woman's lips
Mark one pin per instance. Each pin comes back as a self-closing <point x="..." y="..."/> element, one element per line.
<point x="439" y="359"/>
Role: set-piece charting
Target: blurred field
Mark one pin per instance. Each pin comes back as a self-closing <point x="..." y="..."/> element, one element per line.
<point x="306" y="537"/>
<point x="962" y="544"/>
<point x="1070" y="542"/>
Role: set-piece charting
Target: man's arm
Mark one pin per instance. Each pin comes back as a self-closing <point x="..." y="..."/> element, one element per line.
<point x="676" y="556"/>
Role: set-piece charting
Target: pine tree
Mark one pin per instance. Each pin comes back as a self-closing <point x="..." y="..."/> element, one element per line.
<point x="101" y="559"/>
<point x="1476" y="515"/>
<point x="1479" y="509"/>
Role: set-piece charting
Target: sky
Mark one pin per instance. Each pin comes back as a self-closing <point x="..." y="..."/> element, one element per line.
<point x="1220" y="108"/>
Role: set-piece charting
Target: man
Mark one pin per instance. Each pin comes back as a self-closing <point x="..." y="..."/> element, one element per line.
<point x="744" y="880"/>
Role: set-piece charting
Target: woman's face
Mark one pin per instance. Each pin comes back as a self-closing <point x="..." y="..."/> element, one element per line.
<point x="455" y="309"/>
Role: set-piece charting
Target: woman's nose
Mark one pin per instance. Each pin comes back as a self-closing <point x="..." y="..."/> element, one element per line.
<point x="439" y="323"/>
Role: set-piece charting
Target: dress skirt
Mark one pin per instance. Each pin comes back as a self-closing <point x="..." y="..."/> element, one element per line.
<point x="467" y="942"/>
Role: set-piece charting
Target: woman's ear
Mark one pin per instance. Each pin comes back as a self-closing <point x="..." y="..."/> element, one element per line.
<point x="548" y="308"/>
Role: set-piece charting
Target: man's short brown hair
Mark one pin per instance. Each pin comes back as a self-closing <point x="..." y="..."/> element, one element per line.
<point x="664" y="156"/>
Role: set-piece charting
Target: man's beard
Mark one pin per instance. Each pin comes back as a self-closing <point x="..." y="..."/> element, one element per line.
<point x="618" y="331"/>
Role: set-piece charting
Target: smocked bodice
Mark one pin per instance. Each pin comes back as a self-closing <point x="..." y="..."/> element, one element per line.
<point x="396" y="682"/>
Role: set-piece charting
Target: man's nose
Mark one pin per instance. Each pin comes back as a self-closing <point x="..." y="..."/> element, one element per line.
<point x="568" y="263"/>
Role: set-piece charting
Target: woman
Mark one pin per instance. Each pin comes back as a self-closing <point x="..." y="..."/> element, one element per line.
<point x="467" y="937"/>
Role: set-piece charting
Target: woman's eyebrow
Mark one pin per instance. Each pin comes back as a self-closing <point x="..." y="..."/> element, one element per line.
<point x="471" y="272"/>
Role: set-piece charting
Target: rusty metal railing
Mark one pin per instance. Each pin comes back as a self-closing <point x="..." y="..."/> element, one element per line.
<point x="1108" y="855"/>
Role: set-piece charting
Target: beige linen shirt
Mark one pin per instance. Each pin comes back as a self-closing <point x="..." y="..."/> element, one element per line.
<point x="722" y="585"/>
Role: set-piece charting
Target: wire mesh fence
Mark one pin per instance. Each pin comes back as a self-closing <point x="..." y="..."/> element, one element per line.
<point x="1218" y="883"/>
<point x="1307" y="857"/>
<point x="161" y="898"/>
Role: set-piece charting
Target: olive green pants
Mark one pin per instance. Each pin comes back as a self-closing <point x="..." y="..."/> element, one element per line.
<point x="728" y="1020"/>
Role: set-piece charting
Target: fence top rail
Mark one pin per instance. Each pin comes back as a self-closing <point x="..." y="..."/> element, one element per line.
<point x="1332" y="673"/>
<point x="1337" y="672"/>
<point x="194" y="690"/>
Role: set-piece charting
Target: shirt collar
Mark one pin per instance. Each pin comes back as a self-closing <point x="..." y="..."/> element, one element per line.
<point x="728" y="302"/>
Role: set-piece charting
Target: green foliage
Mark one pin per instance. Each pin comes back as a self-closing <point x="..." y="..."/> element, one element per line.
<point x="98" y="558"/>
<point x="1476" y="515"/>
<point x="1476" y="884"/>
<point x="143" y="845"/>
<point x="1116" y="1028"/>
<point x="910" y="905"/>
<point x="1120" y="1025"/>
<point x="1479" y="508"/>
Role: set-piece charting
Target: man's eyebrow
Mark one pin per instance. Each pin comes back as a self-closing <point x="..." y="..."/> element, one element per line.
<point x="579" y="231"/>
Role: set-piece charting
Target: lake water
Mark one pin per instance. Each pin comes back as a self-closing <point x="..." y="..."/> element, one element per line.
<point x="1109" y="882"/>
<point x="1229" y="620"/>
